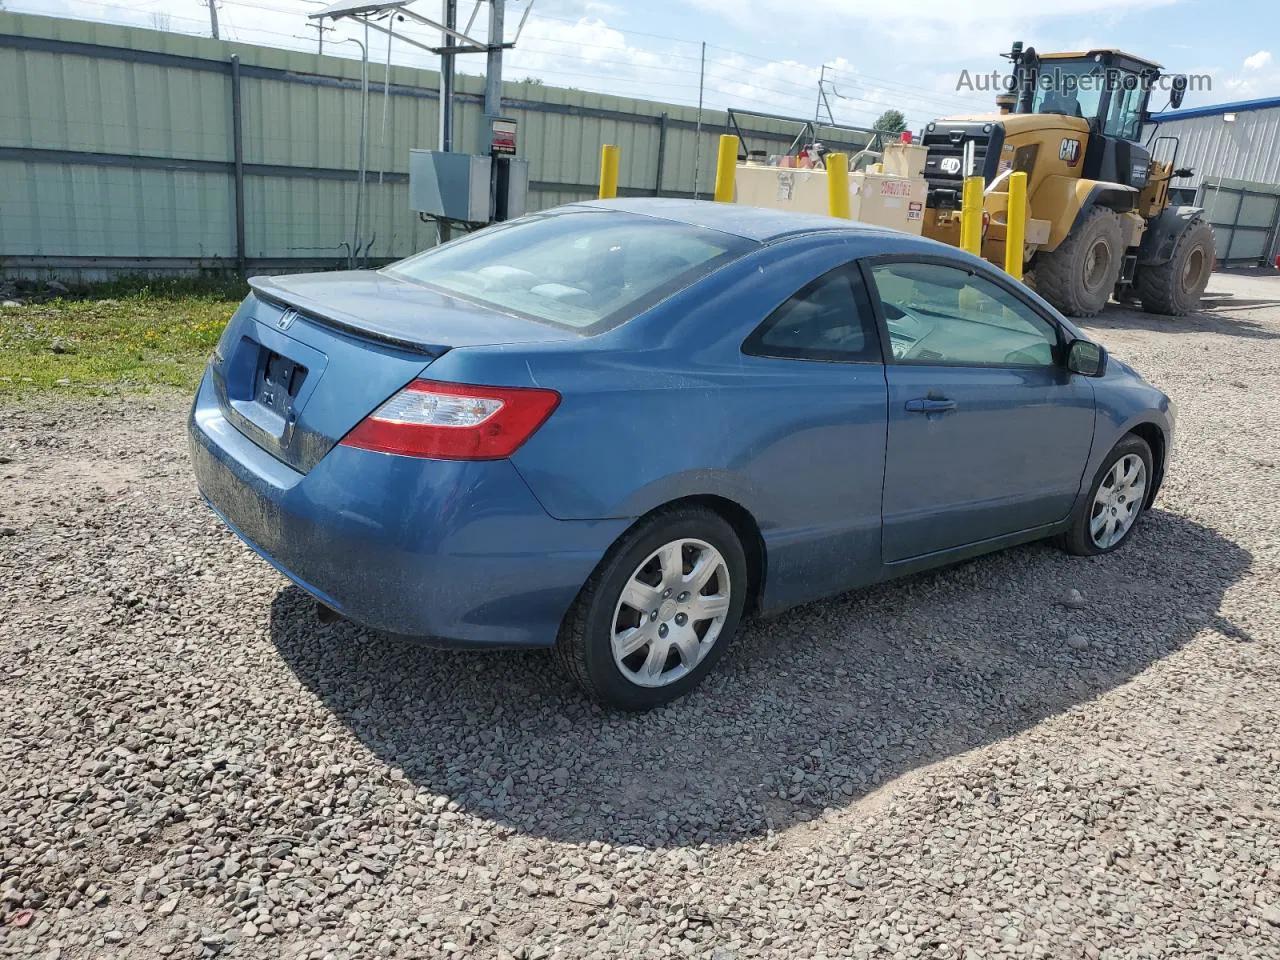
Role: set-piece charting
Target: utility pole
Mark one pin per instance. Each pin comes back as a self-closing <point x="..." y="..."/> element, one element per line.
<point x="822" y="99"/>
<point x="213" y="17"/>
<point x="697" y="136"/>
<point x="493" y="65"/>
<point x="447" y="57"/>
<point x="320" y="30"/>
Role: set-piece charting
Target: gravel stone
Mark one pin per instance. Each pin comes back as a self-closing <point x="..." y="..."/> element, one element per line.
<point x="1073" y="600"/>
<point x="196" y="767"/>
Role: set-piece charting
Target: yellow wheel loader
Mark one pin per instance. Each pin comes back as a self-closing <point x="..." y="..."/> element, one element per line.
<point x="1099" y="218"/>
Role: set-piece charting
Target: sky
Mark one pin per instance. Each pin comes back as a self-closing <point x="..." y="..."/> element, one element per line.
<point x="769" y="55"/>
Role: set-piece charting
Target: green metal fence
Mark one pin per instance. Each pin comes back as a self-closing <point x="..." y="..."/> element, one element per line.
<point x="124" y="149"/>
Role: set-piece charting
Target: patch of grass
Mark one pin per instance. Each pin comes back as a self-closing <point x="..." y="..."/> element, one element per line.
<point x="149" y="337"/>
<point x="210" y="284"/>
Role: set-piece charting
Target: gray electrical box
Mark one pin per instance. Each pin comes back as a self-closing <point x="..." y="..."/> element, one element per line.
<point x="511" y="187"/>
<point x="453" y="185"/>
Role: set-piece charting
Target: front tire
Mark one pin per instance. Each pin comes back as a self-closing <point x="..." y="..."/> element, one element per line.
<point x="1079" y="276"/>
<point x="1117" y="498"/>
<point x="659" y="610"/>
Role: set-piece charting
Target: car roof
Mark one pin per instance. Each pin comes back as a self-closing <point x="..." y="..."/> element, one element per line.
<point x="751" y="223"/>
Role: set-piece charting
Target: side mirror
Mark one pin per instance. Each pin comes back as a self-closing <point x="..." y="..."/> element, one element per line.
<point x="1086" y="358"/>
<point x="1178" y="91"/>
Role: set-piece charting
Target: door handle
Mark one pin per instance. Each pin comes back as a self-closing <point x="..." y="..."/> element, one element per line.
<point x="930" y="405"/>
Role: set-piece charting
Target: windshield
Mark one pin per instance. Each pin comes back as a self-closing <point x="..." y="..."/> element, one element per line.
<point x="1071" y="88"/>
<point x="579" y="269"/>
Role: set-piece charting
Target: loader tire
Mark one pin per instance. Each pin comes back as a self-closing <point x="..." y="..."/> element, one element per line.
<point x="1079" y="276"/>
<point x="1175" y="288"/>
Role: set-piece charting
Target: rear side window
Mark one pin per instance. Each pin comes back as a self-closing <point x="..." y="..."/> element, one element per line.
<point x="585" y="269"/>
<point x="828" y="319"/>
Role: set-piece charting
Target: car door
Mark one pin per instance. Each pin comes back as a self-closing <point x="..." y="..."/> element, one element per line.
<point x="988" y="433"/>
<point x="815" y="437"/>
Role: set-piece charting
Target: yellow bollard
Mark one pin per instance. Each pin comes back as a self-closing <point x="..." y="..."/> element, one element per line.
<point x="726" y="168"/>
<point x="971" y="216"/>
<point x="1015" y="231"/>
<point x="609" y="156"/>
<point x="838" y="185"/>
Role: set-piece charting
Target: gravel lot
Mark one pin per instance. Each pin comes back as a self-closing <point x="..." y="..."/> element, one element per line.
<point x="953" y="765"/>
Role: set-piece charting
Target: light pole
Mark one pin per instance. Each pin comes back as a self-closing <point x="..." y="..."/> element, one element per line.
<point x="364" y="134"/>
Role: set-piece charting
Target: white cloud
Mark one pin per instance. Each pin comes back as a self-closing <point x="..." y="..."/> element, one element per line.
<point x="1259" y="79"/>
<point x="592" y="55"/>
<point x="1258" y="60"/>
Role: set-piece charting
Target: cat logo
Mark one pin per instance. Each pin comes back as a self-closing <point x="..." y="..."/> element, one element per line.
<point x="1069" y="151"/>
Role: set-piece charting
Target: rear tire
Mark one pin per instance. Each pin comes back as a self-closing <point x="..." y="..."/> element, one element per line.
<point x="1079" y="276"/>
<point x="661" y="554"/>
<point x="1102" y="522"/>
<point x="1175" y="288"/>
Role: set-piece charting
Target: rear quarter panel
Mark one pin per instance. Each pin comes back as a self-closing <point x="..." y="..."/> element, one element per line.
<point x="667" y="406"/>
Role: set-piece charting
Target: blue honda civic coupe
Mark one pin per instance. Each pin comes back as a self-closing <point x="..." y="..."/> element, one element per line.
<point x="615" y="428"/>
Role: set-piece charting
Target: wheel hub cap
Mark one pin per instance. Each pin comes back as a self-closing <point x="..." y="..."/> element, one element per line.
<point x="670" y="613"/>
<point x="1118" y="501"/>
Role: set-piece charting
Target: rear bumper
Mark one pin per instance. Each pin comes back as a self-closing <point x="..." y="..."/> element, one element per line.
<point x="458" y="551"/>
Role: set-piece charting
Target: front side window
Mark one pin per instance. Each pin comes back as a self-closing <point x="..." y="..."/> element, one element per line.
<point x="1071" y="88"/>
<point x="585" y="270"/>
<point x="1124" y="116"/>
<point x="828" y="319"/>
<point x="942" y="314"/>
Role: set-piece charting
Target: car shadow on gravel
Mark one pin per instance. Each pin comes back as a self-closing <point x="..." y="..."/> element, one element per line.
<point x="815" y="709"/>
<point x="1226" y="317"/>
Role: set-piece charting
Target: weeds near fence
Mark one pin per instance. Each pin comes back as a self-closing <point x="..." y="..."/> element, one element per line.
<point x="127" y="334"/>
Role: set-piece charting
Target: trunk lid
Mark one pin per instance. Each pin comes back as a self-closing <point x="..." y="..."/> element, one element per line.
<point x="378" y="307"/>
<point x="306" y="358"/>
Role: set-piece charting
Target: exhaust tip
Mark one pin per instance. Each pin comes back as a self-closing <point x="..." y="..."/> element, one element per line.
<point x="326" y="614"/>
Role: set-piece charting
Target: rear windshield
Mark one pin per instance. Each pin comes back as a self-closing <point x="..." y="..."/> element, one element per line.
<point x="584" y="269"/>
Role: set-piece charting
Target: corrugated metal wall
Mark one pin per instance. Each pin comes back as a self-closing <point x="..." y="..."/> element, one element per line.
<point x="1247" y="148"/>
<point x="1236" y="174"/>
<point x="116" y="148"/>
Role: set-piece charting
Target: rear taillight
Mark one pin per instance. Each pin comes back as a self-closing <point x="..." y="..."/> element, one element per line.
<point x="454" y="421"/>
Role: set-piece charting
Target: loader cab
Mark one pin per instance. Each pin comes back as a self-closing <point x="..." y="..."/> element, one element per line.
<point x="1106" y="88"/>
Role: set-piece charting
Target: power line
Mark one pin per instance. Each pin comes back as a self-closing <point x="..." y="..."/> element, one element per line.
<point x="920" y="92"/>
<point x="725" y="80"/>
<point x="859" y="75"/>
